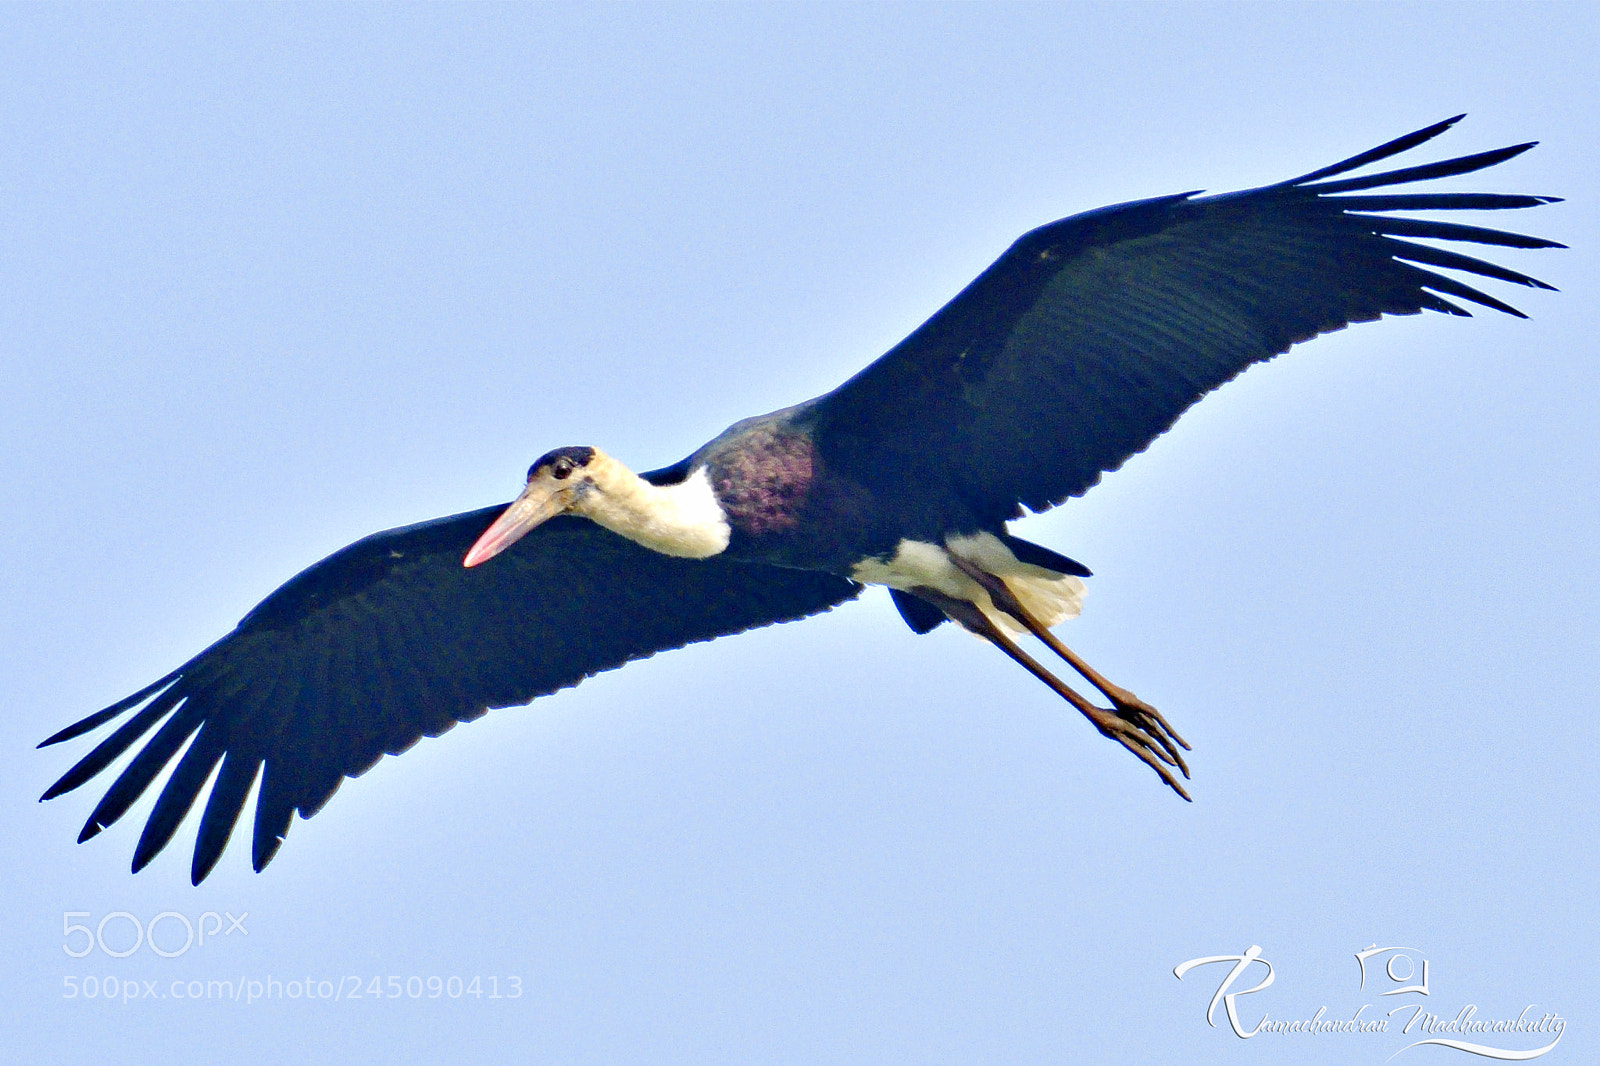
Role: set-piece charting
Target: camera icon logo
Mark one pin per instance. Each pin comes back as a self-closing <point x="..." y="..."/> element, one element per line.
<point x="1399" y="968"/>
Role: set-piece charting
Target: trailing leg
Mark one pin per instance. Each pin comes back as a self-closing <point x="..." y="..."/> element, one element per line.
<point x="1127" y="705"/>
<point x="1121" y="727"/>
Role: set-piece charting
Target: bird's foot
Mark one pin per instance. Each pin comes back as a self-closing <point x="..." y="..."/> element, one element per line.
<point x="1142" y="730"/>
<point x="1139" y="713"/>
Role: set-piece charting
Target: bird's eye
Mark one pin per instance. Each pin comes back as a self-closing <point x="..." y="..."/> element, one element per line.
<point x="561" y="469"/>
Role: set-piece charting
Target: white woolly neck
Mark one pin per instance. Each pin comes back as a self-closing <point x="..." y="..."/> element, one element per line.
<point x="683" y="519"/>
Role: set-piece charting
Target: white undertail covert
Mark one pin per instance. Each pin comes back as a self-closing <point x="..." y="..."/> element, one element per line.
<point x="1049" y="596"/>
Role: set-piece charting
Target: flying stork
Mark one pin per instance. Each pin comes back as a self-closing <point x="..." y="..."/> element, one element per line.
<point x="1072" y="352"/>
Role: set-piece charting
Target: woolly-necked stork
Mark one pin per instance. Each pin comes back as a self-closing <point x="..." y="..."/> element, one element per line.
<point x="1073" y="351"/>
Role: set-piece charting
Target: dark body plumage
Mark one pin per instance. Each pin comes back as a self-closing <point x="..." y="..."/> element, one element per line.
<point x="1072" y="352"/>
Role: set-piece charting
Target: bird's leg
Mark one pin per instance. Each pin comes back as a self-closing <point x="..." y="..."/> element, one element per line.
<point x="1129" y="706"/>
<point x="1119" y="727"/>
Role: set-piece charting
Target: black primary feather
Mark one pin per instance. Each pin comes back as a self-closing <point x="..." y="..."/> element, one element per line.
<point x="1090" y="336"/>
<point x="391" y="640"/>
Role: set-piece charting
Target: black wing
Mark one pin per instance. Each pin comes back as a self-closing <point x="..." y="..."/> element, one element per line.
<point x="391" y="640"/>
<point x="1091" y="335"/>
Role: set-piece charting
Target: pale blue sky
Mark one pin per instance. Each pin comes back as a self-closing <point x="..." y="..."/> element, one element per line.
<point x="277" y="277"/>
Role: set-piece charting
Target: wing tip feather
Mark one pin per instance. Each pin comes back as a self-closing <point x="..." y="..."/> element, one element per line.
<point x="90" y="723"/>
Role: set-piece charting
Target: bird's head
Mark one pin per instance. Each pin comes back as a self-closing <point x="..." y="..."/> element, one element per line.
<point x="560" y="481"/>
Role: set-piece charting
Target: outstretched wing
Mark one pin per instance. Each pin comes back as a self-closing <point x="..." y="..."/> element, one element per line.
<point x="392" y="639"/>
<point x="1091" y="335"/>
